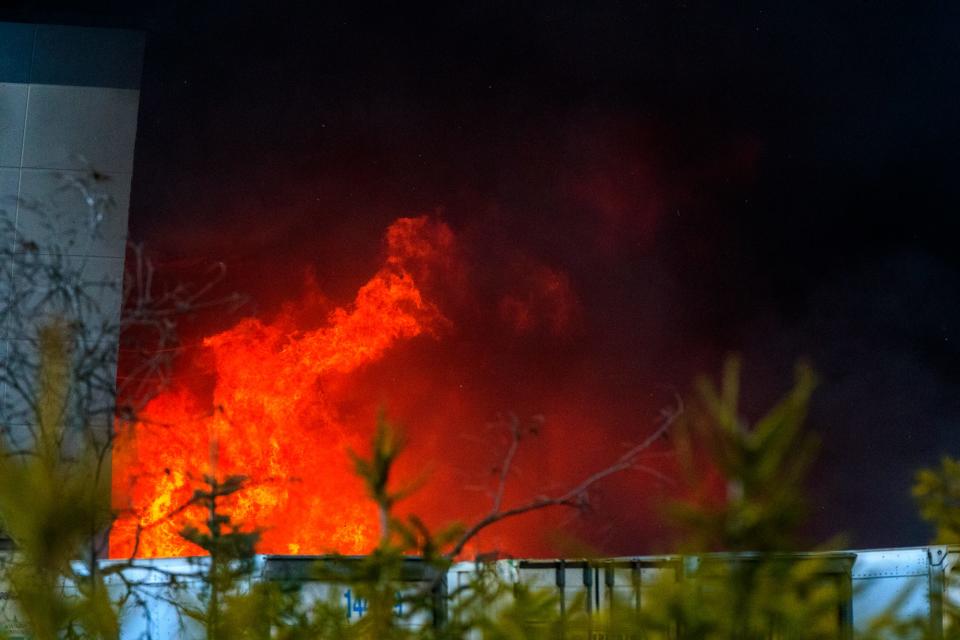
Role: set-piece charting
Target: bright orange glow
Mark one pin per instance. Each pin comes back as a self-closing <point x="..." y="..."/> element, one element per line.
<point x="274" y="418"/>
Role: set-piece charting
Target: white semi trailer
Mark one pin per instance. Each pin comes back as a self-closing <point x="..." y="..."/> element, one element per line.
<point x="909" y="583"/>
<point x="912" y="582"/>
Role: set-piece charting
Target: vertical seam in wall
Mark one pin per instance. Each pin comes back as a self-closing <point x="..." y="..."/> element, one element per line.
<point x="33" y="53"/>
<point x="23" y="150"/>
<point x="16" y="216"/>
<point x="23" y="138"/>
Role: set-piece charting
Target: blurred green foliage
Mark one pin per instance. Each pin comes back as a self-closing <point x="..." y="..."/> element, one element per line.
<point x="761" y="467"/>
<point x="51" y="506"/>
<point x="230" y="559"/>
<point x="937" y="493"/>
<point x="746" y="495"/>
<point x="743" y="575"/>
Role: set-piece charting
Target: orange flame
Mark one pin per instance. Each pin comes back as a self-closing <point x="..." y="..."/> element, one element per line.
<point x="274" y="419"/>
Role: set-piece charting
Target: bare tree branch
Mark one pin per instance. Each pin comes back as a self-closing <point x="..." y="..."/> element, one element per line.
<point x="576" y="496"/>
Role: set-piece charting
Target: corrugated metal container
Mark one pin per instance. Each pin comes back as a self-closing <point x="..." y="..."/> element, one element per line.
<point x="910" y="582"/>
<point x="324" y="578"/>
<point x="158" y="586"/>
<point x="599" y="586"/>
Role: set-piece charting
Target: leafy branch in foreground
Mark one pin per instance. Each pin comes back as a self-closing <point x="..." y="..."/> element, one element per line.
<point x="66" y="314"/>
<point x="761" y="468"/>
<point x="50" y="505"/>
<point x="229" y="549"/>
<point x="376" y="577"/>
<point x="937" y="494"/>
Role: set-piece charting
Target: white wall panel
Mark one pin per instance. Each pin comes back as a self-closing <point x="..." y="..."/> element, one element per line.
<point x="54" y="213"/>
<point x="65" y="123"/>
<point x="13" y="109"/>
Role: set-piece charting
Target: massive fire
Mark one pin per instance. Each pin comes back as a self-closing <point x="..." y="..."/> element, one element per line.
<point x="273" y="418"/>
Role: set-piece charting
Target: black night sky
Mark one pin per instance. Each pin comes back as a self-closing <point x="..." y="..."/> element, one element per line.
<point x="775" y="180"/>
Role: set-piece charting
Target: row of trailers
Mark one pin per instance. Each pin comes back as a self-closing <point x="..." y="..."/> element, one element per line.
<point x="911" y="582"/>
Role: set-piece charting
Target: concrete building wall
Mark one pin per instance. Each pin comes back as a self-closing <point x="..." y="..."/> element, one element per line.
<point x="69" y="99"/>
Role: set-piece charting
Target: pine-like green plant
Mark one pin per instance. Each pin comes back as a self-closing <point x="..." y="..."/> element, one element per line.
<point x="759" y="594"/>
<point x="51" y="505"/>
<point x="760" y="467"/>
<point x="229" y="563"/>
<point x="758" y="591"/>
<point x="937" y="494"/>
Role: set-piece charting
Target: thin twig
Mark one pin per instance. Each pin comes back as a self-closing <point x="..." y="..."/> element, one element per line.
<point x="573" y="497"/>
<point x="507" y="461"/>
